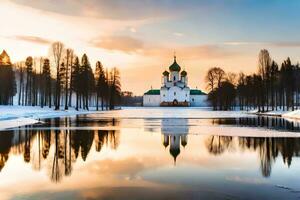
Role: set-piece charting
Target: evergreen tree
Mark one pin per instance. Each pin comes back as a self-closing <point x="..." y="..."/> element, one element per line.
<point x="100" y="84"/>
<point x="87" y="81"/>
<point x="115" y="88"/>
<point x="28" y="96"/>
<point x="75" y="84"/>
<point x="7" y="80"/>
<point x="46" y="84"/>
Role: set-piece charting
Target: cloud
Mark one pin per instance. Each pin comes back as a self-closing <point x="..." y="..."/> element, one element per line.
<point x="191" y="52"/>
<point x="132" y="29"/>
<point x="117" y="9"/>
<point x="286" y="44"/>
<point x="178" y="34"/>
<point x="126" y="44"/>
<point x="31" y="39"/>
<point x="272" y="44"/>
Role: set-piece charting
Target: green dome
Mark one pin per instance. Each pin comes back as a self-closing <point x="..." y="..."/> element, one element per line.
<point x="166" y="73"/>
<point x="183" y="73"/>
<point x="175" y="66"/>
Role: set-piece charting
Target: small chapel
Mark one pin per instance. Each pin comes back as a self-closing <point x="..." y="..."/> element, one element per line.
<point x="174" y="90"/>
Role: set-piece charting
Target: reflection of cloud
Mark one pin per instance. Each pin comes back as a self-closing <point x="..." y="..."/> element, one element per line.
<point x="120" y="43"/>
<point x="127" y="167"/>
<point x="178" y="34"/>
<point x="132" y="29"/>
<point x="31" y="39"/>
<point x="246" y="180"/>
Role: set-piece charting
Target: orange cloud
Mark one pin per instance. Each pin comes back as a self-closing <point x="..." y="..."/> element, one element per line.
<point x="32" y="39"/>
<point x="193" y="52"/>
<point x="126" y="44"/>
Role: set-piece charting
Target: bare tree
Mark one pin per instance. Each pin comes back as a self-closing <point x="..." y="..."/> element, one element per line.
<point x="210" y="79"/>
<point x="57" y="52"/>
<point x="69" y="58"/>
<point x="264" y="67"/>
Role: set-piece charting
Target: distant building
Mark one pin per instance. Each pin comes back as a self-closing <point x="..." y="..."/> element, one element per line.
<point x="174" y="90"/>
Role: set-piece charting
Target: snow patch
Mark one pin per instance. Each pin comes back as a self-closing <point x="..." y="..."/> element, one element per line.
<point x="292" y="115"/>
<point x="12" y="123"/>
<point x="15" y="116"/>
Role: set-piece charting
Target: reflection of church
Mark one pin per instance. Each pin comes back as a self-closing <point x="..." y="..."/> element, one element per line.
<point x="174" y="133"/>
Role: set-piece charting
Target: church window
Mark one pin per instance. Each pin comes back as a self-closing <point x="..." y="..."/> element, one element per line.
<point x="174" y="93"/>
<point x="174" y="78"/>
<point x="193" y="99"/>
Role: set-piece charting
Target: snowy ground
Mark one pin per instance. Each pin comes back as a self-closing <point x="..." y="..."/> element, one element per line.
<point x="292" y="115"/>
<point x="14" y="116"/>
<point x="285" y="114"/>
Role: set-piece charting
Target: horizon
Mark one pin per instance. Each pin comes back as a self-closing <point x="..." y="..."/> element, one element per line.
<point x="204" y="34"/>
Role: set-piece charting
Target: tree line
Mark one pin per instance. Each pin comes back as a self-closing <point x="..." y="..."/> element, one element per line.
<point x="64" y="80"/>
<point x="272" y="87"/>
<point x="7" y="80"/>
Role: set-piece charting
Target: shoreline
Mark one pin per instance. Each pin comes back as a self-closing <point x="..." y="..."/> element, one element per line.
<point x="295" y="115"/>
<point x="15" y="116"/>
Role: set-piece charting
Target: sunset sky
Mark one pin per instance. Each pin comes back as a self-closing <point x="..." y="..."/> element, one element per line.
<point x="140" y="36"/>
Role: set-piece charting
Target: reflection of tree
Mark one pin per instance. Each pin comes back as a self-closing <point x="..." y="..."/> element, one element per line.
<point x="218" y="144"/>
<point x="27" y="146"/>
<point x="56" y="150"/>
<point x="46" y="143"/>
<point x="275" y="123"/>
<point x="55" y="172"/>
<point x="106" y="137"/>
<point x="5" y="144"/>
<point x="100" y="139"/>
<point x="82" y="141"/>
<point x="268" y="149"/>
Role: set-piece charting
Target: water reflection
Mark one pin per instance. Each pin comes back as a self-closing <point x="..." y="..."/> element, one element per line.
<point x="174" y="133"/>
<point x="57" y="150"/>
<point x="273" y="123"/>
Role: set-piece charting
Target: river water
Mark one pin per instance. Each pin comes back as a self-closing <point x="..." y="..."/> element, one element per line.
<point x="154" y="153"/>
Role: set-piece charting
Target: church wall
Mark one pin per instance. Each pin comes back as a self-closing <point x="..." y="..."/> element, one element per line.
<point x="151" y="100"/>
<point x="169" y="95"/>
<point x="198" y="100"/>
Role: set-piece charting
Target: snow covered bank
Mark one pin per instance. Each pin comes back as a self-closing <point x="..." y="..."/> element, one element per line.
<point x="278" y="113"/>
<point x="285" y="114"/>
<point x="11" y="123"/>
<point x="14" y="116"/>
<point x="292" y="115"/>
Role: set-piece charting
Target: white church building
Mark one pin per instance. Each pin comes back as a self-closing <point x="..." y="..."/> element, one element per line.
<point x="174" y="90"/>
